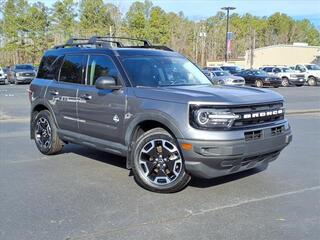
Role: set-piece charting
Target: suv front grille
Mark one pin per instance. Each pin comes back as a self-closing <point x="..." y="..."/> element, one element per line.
<point x="258" y="114"/>
<point x="27" y="74"/>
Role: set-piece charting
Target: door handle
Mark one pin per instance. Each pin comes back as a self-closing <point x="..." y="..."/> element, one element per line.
<point x="86" y="96"/>
<point x="54" y="92"/>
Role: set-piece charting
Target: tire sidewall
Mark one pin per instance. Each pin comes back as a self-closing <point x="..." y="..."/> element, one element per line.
<point x="259" y="83"/>
<point x="312" y="80"/>
<point x="285" y="82"/>
<point x="142" y="180"/>
<point x="47" y="115"/>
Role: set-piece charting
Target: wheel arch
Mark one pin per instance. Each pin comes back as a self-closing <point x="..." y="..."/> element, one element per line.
<point x="36" y="108"/>
<point x="145" y="123"/>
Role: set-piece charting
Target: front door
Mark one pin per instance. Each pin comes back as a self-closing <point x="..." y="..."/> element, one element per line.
<point x="101" y="112"/>
<point x="62" y="94"/>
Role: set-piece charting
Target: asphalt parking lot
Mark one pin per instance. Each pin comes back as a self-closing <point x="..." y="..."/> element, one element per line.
<point x="83" y="193"/>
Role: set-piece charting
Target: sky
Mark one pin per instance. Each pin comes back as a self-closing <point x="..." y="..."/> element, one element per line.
<point x="199" y="9"/>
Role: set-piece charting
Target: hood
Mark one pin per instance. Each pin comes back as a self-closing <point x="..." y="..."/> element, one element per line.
<point x="221" y="94"/>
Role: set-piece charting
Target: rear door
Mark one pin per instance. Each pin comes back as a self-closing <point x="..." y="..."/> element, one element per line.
<point x="62" y="94"/>
<point x="101" y="112"/>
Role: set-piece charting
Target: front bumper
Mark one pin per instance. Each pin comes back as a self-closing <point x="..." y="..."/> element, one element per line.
<point x="24" y="79"/>
<point x="297" y="81"/>
<point x="209" y="159"/>
<point x="273" y="83"/>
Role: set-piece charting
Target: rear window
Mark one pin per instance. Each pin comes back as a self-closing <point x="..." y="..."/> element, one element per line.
<point x="49" y="66"/>
<point x="72" y="69"/>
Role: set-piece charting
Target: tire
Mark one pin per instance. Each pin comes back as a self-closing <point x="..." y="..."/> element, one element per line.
<point x="45" y="133"/>
<point x="159" y="174"/>
<point x="259" y="83"/>
<point x="285" y="82"/>
<point x="312" y="81"/>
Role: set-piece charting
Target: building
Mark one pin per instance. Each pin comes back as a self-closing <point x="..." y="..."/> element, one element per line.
<point x="288" y="55"/>
<point x="283" y="55"/>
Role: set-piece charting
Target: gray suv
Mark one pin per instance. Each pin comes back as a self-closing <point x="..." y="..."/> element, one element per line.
<point x="154" y="107"/>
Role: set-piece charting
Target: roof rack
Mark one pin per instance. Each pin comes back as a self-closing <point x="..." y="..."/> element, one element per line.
<point x="105" y="42"/>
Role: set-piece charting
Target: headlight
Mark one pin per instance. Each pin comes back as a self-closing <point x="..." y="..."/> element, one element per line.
<point x="18" y="74"/>
<point x="207" y="118"/>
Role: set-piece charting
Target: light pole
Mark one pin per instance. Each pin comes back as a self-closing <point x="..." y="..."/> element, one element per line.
<point x="227" y="9"/>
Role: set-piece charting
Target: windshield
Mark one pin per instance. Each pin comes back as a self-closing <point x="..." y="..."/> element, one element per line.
<point x="312" y="67"/>
<point x="287" y="70"/>
<point x="24" y="67"/>
<point x="258" y="72"/>
<point x="222" y="73"/>
<point x="233" y="69"/>
<point x="163" y="71"/>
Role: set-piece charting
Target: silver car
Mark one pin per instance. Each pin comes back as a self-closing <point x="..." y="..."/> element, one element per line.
<point x="225" y="78"/>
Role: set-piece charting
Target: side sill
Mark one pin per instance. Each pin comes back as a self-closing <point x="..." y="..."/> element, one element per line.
<point x="101" y="144"/>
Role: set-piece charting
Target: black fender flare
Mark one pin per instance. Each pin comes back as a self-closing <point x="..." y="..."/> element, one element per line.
<point x="160" y="117"/>
<point x="36" y="103"/>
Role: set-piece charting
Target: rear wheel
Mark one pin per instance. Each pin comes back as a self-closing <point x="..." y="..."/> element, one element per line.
<point x="312" y="81"/>
<point x="285" y="82"/>
<point x="259" y="83"/>
<point x="45" y="134"/>
<point x="157" y="162"/>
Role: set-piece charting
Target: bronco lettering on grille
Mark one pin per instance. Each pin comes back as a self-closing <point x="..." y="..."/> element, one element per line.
<point x="262" y="114"/>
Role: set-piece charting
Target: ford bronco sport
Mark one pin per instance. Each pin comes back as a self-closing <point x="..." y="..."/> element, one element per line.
<point x="154" y="107"/>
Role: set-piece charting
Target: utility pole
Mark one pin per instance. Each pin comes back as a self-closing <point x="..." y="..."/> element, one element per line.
<point x="227" y="31"/>
<point x="252" y="47"/>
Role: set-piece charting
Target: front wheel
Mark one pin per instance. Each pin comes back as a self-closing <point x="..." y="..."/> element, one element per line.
<point x="312" y="81"/>
<point x="157" y="162"/>
<point x="285" y="82"/>
<point x="259" y="83"/>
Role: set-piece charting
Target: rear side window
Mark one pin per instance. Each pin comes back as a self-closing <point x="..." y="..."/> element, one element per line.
<point x="72" y="69"/>
<point x="99" y="66"/>
<point x="45" y="68"/>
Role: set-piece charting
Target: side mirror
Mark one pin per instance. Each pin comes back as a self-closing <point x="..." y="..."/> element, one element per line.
<point x="107" y="82"/>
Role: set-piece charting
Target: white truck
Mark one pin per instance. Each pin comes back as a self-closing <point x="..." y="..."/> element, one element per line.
<point x="288" y="76"/>
<point x="311" y="72"/>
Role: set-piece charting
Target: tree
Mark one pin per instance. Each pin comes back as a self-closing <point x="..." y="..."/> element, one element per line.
<point x="158" y="26"/>
<point x="63" y="14"/>
<point x="94" y="18"/>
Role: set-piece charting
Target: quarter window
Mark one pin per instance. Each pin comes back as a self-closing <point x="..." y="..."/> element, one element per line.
<point x="72" y="69"/>
<point x="99" y="66"/>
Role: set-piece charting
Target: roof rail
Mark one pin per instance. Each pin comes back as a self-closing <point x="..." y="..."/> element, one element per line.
<point x="105" y="38"/>
<point x="105" y="42"/>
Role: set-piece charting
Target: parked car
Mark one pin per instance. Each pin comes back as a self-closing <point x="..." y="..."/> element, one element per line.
<point x="287" y="75"/>
<point x="225" y="78"/>
<point x="2" y="77"/>
<point x="259" y="78"/>
<point x="21" y="73"/>
<point x="207" y="71"/>
<point x="311" y="71"/>
<point x="231" y="69"/>
<point x="154" y="107"/>
<point x="213" y="69"/>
